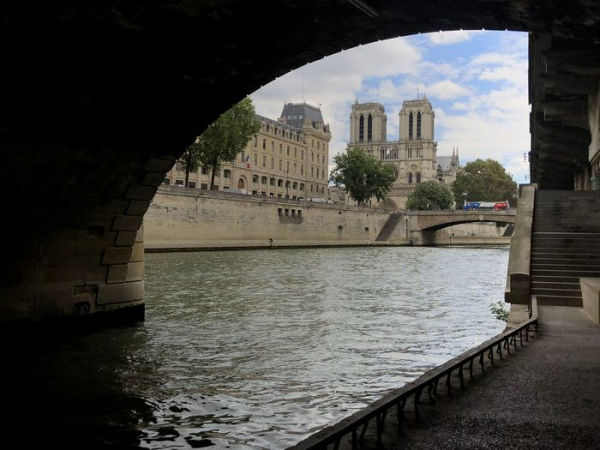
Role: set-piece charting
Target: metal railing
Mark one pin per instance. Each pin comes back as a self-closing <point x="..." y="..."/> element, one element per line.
<point x="355" y="425"/>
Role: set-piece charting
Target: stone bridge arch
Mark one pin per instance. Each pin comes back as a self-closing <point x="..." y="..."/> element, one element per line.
<point x="428" y="221"/>
<point x="100" y="99"/>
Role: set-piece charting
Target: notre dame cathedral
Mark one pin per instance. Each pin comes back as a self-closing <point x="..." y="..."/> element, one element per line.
<point x="414" y="154"/>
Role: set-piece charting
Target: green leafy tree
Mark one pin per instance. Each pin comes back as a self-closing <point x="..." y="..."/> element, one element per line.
<point x="429" y="195"/>
<point x="224" y="139"/>
<point x="362" y="175"/>
<point x="485" y="181"/>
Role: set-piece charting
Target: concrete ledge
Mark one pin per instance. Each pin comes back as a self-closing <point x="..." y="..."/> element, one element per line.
<point x="590" y="291"/>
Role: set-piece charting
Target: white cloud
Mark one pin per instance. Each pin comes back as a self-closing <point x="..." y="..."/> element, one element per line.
<point x="446" y="90"/>
<point x="450" y="37"/>
<point x="480" y="99"/>
<point x="335" y="82"/>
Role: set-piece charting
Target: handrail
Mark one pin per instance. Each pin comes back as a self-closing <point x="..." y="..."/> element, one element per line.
<point x="398" y="397"/>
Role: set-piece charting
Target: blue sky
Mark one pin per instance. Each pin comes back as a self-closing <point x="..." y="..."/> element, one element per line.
<point x="475" y="80"/>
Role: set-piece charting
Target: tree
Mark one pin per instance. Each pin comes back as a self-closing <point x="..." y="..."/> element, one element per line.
<point x="224" y="138"/>
<point x="485" y="181"/>
<point x="429" y="195"/>
<point x="191" y="160"/>
<point x="362" y="175"/>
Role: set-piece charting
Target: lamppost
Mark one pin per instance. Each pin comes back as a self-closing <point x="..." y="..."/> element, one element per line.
<point x="287" y="184"/>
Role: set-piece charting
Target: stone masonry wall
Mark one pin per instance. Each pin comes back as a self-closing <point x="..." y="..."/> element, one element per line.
<point x="181" y="218"/>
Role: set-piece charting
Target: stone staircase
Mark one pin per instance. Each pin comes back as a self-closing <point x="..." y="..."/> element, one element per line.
<point x="389" y="227"/>
<point x="565" y="245"/>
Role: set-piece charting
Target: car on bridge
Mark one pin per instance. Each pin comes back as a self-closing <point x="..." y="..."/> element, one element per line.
<point x="486" y="206"/>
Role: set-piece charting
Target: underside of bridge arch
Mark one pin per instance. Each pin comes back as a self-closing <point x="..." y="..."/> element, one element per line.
<point x="441" y="226"/>
<point x="99" y="99"/>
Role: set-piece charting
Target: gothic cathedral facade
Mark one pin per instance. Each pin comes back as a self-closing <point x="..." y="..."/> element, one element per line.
<point x="413" y="155"/>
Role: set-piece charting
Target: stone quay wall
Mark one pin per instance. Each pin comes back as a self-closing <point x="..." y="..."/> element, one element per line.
<point x="192" y="219"/>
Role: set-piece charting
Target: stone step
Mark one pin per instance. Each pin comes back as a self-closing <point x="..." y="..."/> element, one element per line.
<point x="562" y="259"/>
<point x="571" y="286"/>
<point x="574" y="227"/>
<point x="591" y="246"/>
<point x="546" y="194"/>
<point x="565" y="248"/>
<point x="558" y="234"/>
<point x="560" y="266"/>
<point x="545" y="272"/>
<point x="565" y="254"/>
<point x="556" y="292"/>
<point x="554" y="279"/>
<point x="559" y="300"/>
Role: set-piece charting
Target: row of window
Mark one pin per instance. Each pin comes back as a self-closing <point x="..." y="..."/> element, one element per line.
<point x="417" y="177"/>
<point x="272" y="181"/>
<point x="281" y="132"/>
<point x="312" y="155"/>
<point x="285" y="212"/>
<point x="226" y="173"/>
<point x="320" y="172"/>
<point x="293" y="185"/>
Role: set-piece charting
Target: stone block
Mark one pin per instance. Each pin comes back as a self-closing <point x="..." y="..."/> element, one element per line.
<point x="137" y="253"/>
<point x="135" y="271"/>
<point x="139" y="237"/>
<point x="590" y="291"/>
<point x="125" y="238"/>
<point x="127" y="223"/>
<point x="117" y="273"/>
<point x="153" y="178"/>
<point x="96" y="273"/>
<point x="138" y="207"/>
<point x="160" y="164"/>
<point x="116" y="255"/>
<point x="140" y="192"/>
<point x="120" y="292"/>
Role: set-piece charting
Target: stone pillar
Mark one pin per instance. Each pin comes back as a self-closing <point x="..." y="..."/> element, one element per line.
<point x="92" y="268"/>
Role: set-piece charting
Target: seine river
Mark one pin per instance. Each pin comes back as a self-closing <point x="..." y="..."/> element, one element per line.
<point x="259" y="348"/>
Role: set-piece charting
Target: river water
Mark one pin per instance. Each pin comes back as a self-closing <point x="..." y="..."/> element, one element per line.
<point x="258" y="348"/>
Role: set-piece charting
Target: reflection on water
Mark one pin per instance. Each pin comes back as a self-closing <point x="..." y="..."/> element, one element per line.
<point x="261" y="348"/>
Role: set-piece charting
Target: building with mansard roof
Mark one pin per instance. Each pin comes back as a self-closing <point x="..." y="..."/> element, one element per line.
<point x="288" y="158"/>
<point x="413" y="155"/>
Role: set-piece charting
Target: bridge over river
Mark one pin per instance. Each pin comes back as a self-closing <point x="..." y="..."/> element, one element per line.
<point x="418" y="227"/>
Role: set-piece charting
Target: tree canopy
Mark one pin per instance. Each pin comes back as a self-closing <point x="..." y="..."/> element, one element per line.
<point x="485" y="181"/>
<point x="362" y="175"/>
<point x="223" y="139"/>
<point x="429" y="195"/>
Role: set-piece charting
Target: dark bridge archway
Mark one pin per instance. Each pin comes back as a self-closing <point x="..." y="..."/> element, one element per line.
<point x="100" y="98"/>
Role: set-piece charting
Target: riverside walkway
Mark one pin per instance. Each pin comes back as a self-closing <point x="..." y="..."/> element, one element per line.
<point x="545" y="395"/>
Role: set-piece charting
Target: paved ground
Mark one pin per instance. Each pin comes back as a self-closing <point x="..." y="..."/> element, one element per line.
<point x="547" y="395"/>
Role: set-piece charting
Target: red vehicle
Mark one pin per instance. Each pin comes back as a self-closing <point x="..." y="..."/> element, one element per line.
<point x="500" y="206"/>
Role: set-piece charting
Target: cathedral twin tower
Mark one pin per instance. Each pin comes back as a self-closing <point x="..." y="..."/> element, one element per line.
<point x="413" y="155"/>
<point x="368" y="122"/>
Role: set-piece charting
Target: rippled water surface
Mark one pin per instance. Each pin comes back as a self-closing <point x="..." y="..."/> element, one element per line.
<point x="258" y="349"/>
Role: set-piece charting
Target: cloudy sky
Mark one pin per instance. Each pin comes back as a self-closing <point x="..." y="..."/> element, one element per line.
<point x="476" y="82"/>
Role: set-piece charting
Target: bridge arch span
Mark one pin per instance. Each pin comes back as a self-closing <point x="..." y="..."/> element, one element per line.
<point x="100" y="99"/>
<point x="429" y="221"/>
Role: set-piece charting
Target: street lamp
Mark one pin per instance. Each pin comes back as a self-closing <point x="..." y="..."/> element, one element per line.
<point x="287" y="184"/>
